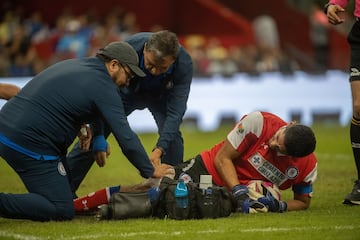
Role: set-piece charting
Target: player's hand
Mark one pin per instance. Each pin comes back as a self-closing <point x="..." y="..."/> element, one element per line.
<point x="241" y="197"/>
<point x="273" y="204"/>
<point x="85" y="136"/>
<point x="162" y="170"/>
<point x="333" y="14"/>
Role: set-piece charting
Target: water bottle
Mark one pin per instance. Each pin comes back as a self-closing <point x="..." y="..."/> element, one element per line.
<point x="181" y="194"/>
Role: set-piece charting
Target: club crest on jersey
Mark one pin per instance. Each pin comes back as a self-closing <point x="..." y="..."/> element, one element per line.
<point x="240" y="128"/>
<point x="61" y="169"/>
<point x="292" y="172"/>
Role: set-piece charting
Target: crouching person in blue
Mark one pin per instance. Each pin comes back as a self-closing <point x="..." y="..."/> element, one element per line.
<point x="164" y="91"/>
<point x="39" y="124"/>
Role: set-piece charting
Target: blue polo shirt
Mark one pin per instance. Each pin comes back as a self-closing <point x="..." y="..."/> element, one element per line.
<point x="45" y="117"/>
<point x="173" y="87"/>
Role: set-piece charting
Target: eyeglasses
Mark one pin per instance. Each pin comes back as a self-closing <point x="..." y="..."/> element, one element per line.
<point x="129" y="74"/>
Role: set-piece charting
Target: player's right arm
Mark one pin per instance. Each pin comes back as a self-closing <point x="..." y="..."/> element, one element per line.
<point x="225" y="167"/>
<point x="224" y="164"/>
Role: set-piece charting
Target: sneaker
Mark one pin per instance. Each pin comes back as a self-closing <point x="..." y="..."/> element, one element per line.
<point x="353" y="198"/>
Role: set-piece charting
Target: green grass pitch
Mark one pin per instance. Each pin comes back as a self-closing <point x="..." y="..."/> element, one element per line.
<point x="327" y="217"/>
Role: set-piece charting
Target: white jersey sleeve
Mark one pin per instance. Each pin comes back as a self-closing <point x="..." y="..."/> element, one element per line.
<point x="250" y="124"/>
<point x="312" y="176"/>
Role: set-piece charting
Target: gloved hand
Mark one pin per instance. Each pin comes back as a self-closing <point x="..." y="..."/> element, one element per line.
<point x="241" y="197"/>
<point x="273" y="204"/>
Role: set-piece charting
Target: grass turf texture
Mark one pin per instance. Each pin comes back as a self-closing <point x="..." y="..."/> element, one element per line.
<point x="327" y="217"/>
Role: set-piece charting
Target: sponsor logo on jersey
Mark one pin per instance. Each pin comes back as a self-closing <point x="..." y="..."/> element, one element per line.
<point x="267" y="169"/>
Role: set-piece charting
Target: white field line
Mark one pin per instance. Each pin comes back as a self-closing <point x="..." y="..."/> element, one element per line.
<point x="155" y="233"/>
<point x="18" y="236"/>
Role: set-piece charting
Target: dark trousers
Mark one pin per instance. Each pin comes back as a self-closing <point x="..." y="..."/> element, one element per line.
<point x="49" y="196"/>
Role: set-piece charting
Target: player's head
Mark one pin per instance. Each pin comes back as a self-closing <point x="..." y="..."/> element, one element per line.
<point x="294" y="140"/>
<point x="160" y="51"/>
<point x="299" y="140"/>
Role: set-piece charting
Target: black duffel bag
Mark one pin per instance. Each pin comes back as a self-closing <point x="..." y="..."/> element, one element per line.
<point x="213" y="202"/>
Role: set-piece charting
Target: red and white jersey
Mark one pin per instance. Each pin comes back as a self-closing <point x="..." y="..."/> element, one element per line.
<point x="250" y="137"/>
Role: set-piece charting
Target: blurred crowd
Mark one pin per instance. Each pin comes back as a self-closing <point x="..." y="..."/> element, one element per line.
<point x="28" y="44"/>
<point x="265" y="55"/>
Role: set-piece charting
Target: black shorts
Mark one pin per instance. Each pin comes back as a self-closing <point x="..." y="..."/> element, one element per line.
<point x="194" y="167"/>
<point x="354" y="42"/>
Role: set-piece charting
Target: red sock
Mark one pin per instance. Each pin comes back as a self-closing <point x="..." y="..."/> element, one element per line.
<point x="93" y="200"/>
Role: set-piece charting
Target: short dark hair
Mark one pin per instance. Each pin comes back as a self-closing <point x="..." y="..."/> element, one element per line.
<point x="163" y="43"/>
<point x="299" y="140"/>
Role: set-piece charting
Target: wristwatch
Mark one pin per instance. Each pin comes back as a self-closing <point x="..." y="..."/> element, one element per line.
<point x="326" y="6"/>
